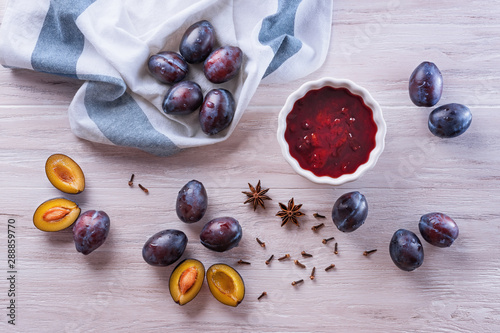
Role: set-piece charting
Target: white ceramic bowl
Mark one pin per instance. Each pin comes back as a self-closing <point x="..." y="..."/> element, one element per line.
<point x="356" y="90"/>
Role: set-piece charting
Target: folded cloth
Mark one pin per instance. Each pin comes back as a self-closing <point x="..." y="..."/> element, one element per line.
<point x="107" y="44"/>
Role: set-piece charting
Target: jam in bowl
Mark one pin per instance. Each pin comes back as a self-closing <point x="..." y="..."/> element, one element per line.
<point x="331" y="131"/>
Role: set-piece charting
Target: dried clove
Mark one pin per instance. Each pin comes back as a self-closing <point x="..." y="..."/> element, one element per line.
<point x="131" y="181"/>
<point x="366" y="253"/>
<point x="268" y="261"/>
<point x="261" y="243"/>
<point x="336" y="249"/>
<point x="319" y="216"/>
<point x="329" y="267"/>
<point x="326" y="240"/>
<point x="286" y="256"/>
<point x="262" y="295"/>
<point x="312" y="273"/>
<point x="317" y="227"/>
<point x="243" y="262"/>
<point x="297" y="282"/>
<point x="143" y="188"/>
<point x="305" y="254"/>
<point x="298" y="263"/>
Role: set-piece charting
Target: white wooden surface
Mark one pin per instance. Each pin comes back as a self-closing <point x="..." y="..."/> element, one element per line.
<point x="377" y="44"/>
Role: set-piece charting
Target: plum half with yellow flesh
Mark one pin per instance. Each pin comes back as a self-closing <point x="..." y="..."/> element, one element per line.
<point x="55" y="214"/>
<point x="186" y="280"/>
<point x="65" y="174"/>
<point x="226" y="284"/>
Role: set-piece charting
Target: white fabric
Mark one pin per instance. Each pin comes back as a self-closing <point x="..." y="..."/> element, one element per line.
<point x="108" y="42"/>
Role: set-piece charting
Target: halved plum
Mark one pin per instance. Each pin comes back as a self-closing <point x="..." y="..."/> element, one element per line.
<point x="226" y="284"/>
<point x="186" y="281"/>
<point x="65" y="174"/>
<point x="55" y="214"/>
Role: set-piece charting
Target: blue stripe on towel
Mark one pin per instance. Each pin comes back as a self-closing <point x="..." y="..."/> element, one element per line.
<point x="60" y="42"/>
<point x="111" y="108"/>
<point x="278" y="32"/>
<point x="120" y="118"/>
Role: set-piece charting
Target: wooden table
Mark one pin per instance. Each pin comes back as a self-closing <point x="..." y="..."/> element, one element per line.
<point x="377" y="44"/>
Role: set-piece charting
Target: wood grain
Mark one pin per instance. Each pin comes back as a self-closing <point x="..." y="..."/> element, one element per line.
<point x="376" y="44"/>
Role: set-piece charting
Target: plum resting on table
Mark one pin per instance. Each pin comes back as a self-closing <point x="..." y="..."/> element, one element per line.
<point x="350" y="211"/>
<point x="164" y="248"/>
<point x="438" y="229"/>
<point x="406" y="250"/>
<point x="221" y="234"/>
<point x="426" y="84"/>
<point x="192" y="202"/>
<point x="450" y="120"/>
<point x="90" y="231"/>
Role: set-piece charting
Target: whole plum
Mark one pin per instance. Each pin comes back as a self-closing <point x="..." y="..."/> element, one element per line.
<point x="406" y="250"/>
<point x="183" y="98"/>
<point x="350" y="211"/>
<point x="217" y="111"/>
<point x="438" y="229"/>
<point x="197" y="42"/>
<point x="165" y="247"/>
<point x="450" y="120"/>
<point x="221" y="234"/>
<point x="168" y="67"/>
<point x="426" y="84"/>
<point x="223" y="64"/>
<point x="90" y="231"/>
<point x="192" y="202"/>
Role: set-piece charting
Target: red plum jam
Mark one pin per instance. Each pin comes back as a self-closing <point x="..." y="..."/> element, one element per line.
<point x="330" y="131"/>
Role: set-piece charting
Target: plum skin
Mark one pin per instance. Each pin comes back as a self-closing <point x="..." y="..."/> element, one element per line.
<point x="223" y="64"/>
<point x="438" y="229"/>
<point x="192" y="202"/>
<point x="426" y="84"/>
<point x="449" y="120"/>
<point x="183" y="98"/>
<point x="168" y="67"/>
<point x="406" y="250"/>
<point x="90" y="231"/>
<point x="165" y="247"/>
<point x="221" y="234"/>
<point x="350" y="211"/>
<point x="217" y="111"/>
<point x="197" y="42"/>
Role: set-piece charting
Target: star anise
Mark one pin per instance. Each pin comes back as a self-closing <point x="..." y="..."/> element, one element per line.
<point x="256" y="196"/>
<point x="290" y="213"/>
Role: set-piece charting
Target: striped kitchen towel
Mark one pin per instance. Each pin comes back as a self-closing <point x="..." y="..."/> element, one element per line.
<point x="107" y="44"/>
